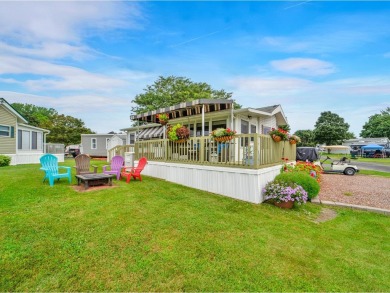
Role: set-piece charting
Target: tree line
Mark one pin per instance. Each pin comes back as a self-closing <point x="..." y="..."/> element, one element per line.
<point x="63" y="129"/>
<point x="329" y="129"/>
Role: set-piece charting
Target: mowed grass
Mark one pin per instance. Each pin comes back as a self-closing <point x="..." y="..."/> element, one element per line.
<point x="158" y="236"/>
<point x="374" y="173"/>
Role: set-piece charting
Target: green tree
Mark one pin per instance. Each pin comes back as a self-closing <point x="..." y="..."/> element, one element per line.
<point x="172" y="90"/>
<point x="63" y="129"/>
<point x="306" y="136"/>
<point x="378" y="125"/>
<point x="35" y="115"/>
<point x="330" y="129"/>
<point x="67" y="130"/>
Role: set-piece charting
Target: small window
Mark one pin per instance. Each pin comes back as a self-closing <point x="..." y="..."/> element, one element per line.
<point x="23" y="140"/>
<point x="34" y="142"/>
<point x="253" y="128"/>
<point x="93" y="143"/>
<point x="244" y="127"/>
<point x="132" y="138"/>
<point x="5" y="130"/>
<point x="39" y="141"/>
<point x="266" y="129"/>
<point x="107" y="143"/>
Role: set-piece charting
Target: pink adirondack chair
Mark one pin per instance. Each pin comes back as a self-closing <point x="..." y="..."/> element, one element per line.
<point x="134" y="172"/>
<point x="115" y="167"/>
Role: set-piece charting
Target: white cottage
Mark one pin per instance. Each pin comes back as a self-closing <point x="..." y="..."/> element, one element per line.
<point x="24" y="143"/>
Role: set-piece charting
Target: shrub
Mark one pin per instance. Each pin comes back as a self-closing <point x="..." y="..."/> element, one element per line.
<point x="4" y="160"/>
<point x="309" y="168"/>
<point x="309" y="184"/>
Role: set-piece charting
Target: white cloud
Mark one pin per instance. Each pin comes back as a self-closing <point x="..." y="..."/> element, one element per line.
<point x="64" y="21"/>
<point x="56" y="29"/>
<point x="50" y="50"/>
<point x="266" y="86"/>
<point x="56" y="77"/>
<point x="303" y="66"/>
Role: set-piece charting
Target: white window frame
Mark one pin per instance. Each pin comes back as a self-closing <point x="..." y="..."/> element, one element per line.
<point x="9" y="130"/>
<point x="107" y="141"/>
<point x="27" y="146"/>
<point x="93" y="142"/>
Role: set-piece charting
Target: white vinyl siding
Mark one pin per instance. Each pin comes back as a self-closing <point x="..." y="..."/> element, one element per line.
<point x="93" y="144"/>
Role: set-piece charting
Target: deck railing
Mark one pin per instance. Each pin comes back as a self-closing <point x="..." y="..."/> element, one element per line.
<point x="253" y="151"/>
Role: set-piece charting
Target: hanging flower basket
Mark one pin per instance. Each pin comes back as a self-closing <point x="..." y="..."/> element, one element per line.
<point x="276" y="138"/>
<point x="222" y="134"/>
<point x="182" y="140"/>
<point x="223" y="138"/>
<point x="178" y="133"/>
<point x="293" y="139"/>
<point x="162" y="118"/>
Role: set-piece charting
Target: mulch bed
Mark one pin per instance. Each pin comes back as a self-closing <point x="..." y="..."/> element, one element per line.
<point x="80" y="188"/>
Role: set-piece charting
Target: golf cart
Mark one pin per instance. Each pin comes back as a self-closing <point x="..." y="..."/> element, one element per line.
<point x="342" y="166"/>
<point x="327" y="165"/>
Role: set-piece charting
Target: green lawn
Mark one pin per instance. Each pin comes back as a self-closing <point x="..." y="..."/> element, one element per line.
<point x="157" y="236"/>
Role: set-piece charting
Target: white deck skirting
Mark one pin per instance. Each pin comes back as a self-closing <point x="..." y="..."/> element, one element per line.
<point x="242" y="184"/>
<point x="18" y="159"/>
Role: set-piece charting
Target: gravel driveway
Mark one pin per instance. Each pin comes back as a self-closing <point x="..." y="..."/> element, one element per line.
<point x="362" y="190"/>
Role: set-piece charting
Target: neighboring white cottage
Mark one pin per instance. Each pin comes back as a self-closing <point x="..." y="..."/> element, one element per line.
<point x="96" y="145"/>
<point x="24" y="143"/>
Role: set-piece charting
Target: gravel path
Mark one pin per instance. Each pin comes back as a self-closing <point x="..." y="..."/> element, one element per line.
<point x="362" y="190"/>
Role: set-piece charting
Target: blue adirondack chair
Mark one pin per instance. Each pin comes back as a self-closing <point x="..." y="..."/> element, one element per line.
<point x="115" y="167"/>
<point x="50" y="166"/>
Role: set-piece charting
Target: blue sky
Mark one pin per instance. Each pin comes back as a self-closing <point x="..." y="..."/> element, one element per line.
<point x="89" y="59"/>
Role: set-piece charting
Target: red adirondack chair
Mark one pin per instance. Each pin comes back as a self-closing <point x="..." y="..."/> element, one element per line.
<point x="116" y="166"/>
<point x="134" y="172"/>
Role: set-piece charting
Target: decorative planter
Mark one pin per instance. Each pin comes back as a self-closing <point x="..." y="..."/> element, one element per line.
<point x="293" y="141"/>
<point x="181" y="140"/>
<point x="276" y="138"/>
<point x="163" y="122"/>
<point x="284" y="204"/>
<point x="223" y="138"/>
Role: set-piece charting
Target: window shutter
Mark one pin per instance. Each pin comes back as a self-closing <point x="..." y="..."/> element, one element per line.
<point x="12" y="132"/>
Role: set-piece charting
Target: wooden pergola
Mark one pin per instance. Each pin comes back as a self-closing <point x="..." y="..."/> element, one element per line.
<point x="186" y="109"/>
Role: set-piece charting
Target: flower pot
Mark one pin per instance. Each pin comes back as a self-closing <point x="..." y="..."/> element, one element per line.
<point x="163" y="122"/>
<point x="276" y="138"/>
<point x="293" y="141"/>
<point x="223" y="138"/>
<point x="284" y="204"/>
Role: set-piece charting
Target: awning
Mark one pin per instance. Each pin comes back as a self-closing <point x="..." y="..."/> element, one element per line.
<point x="152" y="132"/>
<point x="186" y="109"/>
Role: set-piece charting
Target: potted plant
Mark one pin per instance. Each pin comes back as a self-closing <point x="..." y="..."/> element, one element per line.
<point x="293" y="139"/>
<point x="284" y="195"/>
<point x="178" y="133"/>
<point x="162" y="118"/>
<point x="278" y="134"/>
<point x="223" y="134"/>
